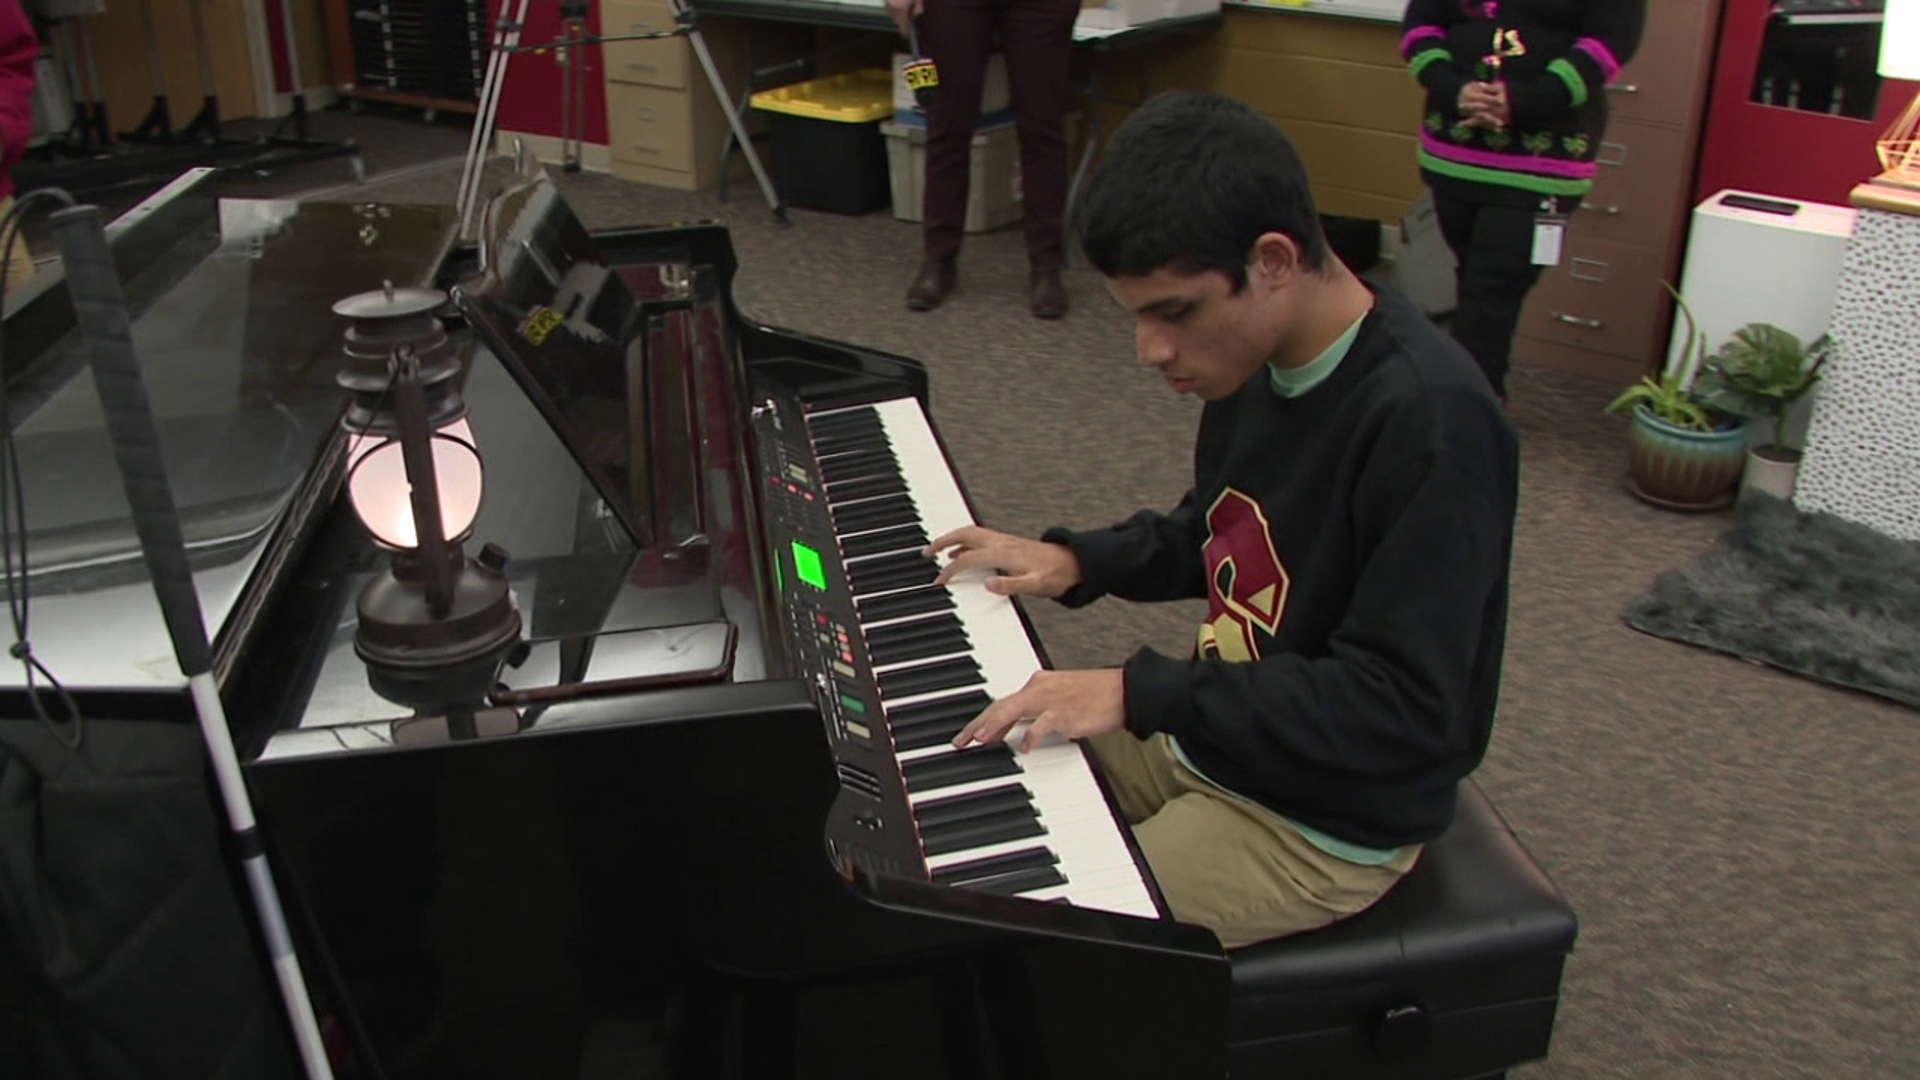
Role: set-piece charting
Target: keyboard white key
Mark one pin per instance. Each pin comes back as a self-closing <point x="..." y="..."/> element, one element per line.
<point x="1080" y="827"/>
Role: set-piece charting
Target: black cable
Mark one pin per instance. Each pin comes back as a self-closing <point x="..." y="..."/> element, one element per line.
<point x="13" y="515"/>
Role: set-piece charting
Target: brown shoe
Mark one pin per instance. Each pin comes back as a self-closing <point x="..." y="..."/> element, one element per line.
<point x="932" y="286"/>
<point x="1046" y="295"/>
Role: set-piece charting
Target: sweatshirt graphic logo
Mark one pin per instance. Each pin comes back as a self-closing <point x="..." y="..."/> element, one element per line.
<point x="1246" y="584"/>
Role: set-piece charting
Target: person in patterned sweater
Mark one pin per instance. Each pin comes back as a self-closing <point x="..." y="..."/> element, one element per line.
<point x="1516" y="108"/>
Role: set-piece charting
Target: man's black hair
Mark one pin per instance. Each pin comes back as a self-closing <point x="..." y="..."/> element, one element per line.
<point x="1188" y="183"/>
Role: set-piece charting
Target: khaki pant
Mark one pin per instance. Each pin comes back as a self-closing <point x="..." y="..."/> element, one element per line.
<point x="19" y="259"/>
<point x="1226" y="862"/>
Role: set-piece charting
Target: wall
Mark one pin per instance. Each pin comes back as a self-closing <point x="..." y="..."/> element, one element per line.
<point x="530" y="100"/>
<point x="1777" y="151"/>
<point x="120" y="49"/>
<point x="310" y="34"/>
<point x="1335" y="85"/>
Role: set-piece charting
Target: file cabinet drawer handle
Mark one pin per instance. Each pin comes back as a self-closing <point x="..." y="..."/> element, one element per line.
<point x="1587" y="270"/>
<point x="1625" y="88"/>
<point x="1610" y="211"/>
<point x="1577" y="320"/>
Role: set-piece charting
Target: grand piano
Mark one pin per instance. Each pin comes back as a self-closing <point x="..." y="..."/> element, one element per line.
<point x="709" y="822"/>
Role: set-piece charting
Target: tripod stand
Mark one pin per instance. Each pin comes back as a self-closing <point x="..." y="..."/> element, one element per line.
<point x="506" y="42"/>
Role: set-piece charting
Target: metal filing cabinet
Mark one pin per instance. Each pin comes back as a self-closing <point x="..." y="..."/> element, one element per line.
<point x="1602" y="311"/>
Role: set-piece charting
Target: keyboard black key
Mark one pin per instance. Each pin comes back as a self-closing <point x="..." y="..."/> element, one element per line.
<point x="900" y="538"/>
<point x="893" y="560"/>
<point x="1015" y="883"/>
<point x="898" y="605"/>
<point x="1033" y="858"/>
<point x="865" y="583"/>
<point x="973" y="805"/>
<point x="943" y="622"/>
<point x="848" y="444"/>
<point x="939" y="627"/>
<point x="828" y="426"/>
<point x="932" y="733"/>
<point x="959" y="767"/>
<point x="881" y="513"/>
<point x="866" y="487"/>
<point x="840" y="421"/>
<point x="928" y="677"/>
<point x="931" y="730"/>
<point x="969" y="702"/>
<point x="1001" y="828"/>
<point x="923" y="649"/>
<point x="853" y="466"/>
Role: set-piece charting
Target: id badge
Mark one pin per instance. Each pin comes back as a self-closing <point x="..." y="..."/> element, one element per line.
<point x="1549" y="235"/>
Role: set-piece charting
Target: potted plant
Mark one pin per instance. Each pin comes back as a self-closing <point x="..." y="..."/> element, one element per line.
<point x="1759" y="374"/>
<point x="1683" y="452"/>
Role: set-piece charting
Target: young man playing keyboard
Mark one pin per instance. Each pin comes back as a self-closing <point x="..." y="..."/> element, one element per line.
<point x="1350" y="525"/>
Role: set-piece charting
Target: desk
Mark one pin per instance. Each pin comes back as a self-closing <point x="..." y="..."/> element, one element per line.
<point x="873" y="16"/>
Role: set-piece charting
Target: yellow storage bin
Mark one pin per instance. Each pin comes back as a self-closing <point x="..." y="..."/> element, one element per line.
<point x="827" y="150"/>
<point x="859" y="97"/>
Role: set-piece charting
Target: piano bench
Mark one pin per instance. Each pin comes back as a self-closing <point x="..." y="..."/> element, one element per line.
<point x="1454" y="974"/>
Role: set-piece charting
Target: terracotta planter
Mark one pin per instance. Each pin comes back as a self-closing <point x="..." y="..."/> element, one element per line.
<point x="1676" y="468"/>
<point x="1771" y="471"/>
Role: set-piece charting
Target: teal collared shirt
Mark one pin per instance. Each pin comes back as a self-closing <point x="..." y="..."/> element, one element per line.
<point x="1292" y="382"/>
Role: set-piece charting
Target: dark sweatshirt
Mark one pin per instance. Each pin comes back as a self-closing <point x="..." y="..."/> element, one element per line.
<point x="1556" y="58"/>
<point x="1353" y="542"/>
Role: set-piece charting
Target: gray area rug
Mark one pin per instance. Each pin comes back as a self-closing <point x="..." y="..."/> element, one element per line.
<point x="1812" y="594"/>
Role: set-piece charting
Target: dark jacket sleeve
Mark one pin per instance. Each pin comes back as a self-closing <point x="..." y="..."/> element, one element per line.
<point x="19" y="51"/>
<point x="1149" y="556"/>
<point x="1389" y="698"/>
<point x="1423" y="45"/>
<point x="1608" y="37"/>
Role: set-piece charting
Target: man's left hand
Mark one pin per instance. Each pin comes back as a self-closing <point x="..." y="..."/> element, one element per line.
<point x="1073" y="704"/>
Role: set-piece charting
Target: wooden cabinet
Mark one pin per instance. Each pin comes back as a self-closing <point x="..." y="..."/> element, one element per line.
<point x="1603" y="311"/>
<point x="664" y="124"/>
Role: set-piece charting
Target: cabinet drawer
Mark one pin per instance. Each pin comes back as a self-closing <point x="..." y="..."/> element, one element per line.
<point x="1604" y="296"/>
<point x="652" y="63"/>
<point x="1665" y="75"/>
<point x="1640" y="185"/>
<point x="650" y="125"/>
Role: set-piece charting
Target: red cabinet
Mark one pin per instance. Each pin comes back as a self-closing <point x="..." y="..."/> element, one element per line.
<point x="1775" y="150"/>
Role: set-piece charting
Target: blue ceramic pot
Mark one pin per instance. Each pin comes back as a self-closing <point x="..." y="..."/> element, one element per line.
<point x="1681" y="469"/>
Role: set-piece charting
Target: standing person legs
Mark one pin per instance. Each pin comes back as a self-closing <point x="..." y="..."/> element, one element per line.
<point x="958" y="36"/>
<point x="1037" y="37"/>
<point x="1493" y="246"/>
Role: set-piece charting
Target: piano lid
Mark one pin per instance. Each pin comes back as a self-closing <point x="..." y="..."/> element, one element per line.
<point x="561" y="320"/>
<point x="240" y="349"/>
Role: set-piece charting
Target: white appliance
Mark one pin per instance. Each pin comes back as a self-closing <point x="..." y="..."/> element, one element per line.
<point x="1757" y="258"/>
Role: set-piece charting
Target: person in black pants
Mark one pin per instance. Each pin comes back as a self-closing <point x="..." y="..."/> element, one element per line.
<point x="1036" y="36"/>
<point x="1516" y="108"/>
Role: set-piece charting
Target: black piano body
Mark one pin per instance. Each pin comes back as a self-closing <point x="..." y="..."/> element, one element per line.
<point x="681" y="843"/>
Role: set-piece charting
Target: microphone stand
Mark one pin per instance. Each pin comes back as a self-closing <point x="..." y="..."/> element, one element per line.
<point x="101" y="311"/>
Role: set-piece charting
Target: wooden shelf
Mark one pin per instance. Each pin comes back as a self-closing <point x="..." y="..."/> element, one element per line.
<point x="417" y="101"/>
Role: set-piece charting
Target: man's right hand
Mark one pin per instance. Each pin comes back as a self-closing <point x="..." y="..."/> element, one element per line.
<point x="1016" y="566"/>
<point x="904" y="12"/>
